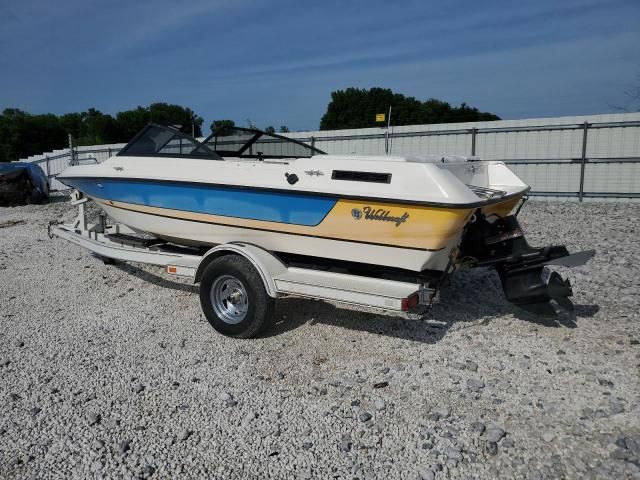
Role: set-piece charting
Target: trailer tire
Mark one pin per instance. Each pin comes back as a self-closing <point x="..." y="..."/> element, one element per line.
<point x="233" y="297"/>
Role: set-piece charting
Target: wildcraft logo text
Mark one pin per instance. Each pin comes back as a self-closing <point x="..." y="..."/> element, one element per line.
<point x="379" y="214"/>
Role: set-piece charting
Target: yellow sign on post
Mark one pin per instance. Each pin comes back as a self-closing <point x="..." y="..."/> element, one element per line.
<point x="380" y="117"/>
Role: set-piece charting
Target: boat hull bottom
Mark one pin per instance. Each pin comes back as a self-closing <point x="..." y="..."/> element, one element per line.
<point x="185" y="232"/>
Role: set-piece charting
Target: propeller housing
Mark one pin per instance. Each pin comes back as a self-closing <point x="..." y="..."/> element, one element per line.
<point x="528" y="287"/>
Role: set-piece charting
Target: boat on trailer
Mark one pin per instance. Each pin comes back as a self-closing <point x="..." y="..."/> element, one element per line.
<point x="397" y="218"/>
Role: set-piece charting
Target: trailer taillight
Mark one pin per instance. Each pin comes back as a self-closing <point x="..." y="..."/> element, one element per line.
<point x="410" y="302"/>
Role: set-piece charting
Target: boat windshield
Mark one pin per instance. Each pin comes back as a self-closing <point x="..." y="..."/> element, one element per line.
<point x="252" y="143"/>
<point x="160" y="141"/>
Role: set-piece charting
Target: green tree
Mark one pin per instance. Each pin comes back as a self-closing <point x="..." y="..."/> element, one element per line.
<point x="169" y="114"/>
<point x="270" y="129"/>
<point x="284" y="129"/>
<point x="91" y="127"/>
<point x="436" y="111"/>
<point x="222" y="123"/>
<point x="22" y="134"/>
<point x="43" y="133"/>
<point x="73" y="124"/>
<point x="130" y="122"/>
<point x="99" y="128"/>
<point x="12" y="130"/>
<point x="357" y="108"/>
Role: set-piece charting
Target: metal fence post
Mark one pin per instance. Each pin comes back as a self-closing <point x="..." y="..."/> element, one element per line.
<point x="313" y="142"/>
<point x="71" y="154"/>
<point x="48" y="173"/>
<point x="109" y="152"/>
<point x="583" y="160"/>
<point x="474" y="130"/>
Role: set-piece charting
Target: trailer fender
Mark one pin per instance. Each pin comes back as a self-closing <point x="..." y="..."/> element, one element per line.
<point x="267" y="265"/>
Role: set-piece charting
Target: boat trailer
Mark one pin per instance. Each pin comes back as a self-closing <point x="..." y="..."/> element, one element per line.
<point x="239" y="281"/>
<point x="244" y="275"/>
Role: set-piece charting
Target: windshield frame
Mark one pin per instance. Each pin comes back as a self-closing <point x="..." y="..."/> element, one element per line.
<point x="207" y="154"/>
<point x="257" y="134"/>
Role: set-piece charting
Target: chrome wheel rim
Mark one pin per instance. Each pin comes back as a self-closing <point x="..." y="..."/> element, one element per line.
<point x="229" y="299"/>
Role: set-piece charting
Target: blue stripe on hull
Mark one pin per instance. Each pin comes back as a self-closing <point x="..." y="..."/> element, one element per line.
<point x="283" y="207"/>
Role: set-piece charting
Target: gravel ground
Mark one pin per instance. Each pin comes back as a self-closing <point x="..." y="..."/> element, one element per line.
<point x="111" y="371"/>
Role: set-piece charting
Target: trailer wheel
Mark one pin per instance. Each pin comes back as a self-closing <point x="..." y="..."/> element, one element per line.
<point x="234" y="298"/>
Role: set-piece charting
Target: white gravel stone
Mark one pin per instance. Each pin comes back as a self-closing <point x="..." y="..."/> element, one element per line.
<point x="93" y="418"/>
<point x="475" y="384"/>
<point x="97" y="444"/>
<point x="92" y="332"/>
<point x="249" y="417"/>
<point x="225" y="397"/>
<point x="494" y="434"/>
<point x="426" y="474"/>
<point x="380" y="404"/>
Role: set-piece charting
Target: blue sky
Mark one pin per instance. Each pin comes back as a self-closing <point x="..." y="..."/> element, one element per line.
<point x="277" y="62"/>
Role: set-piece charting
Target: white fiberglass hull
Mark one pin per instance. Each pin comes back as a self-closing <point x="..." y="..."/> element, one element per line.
<point x="388" y="211"/>
<point x="196" y="233"/>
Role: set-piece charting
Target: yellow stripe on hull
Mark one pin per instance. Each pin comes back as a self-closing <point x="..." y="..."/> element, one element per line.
<point x="501" y="209"/>
<point x="398" y="225"/>
<point x="429" y="228"/>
